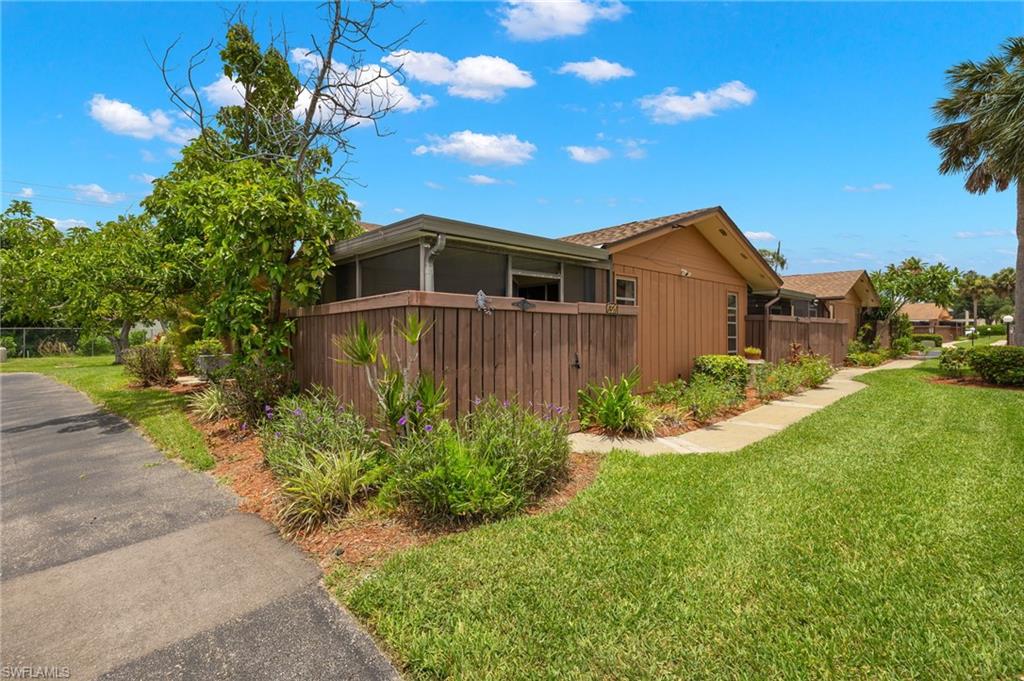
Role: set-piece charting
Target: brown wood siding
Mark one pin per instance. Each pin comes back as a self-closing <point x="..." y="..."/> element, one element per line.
<point x="509" y="353"/>
<point x="848" y="310"/>
<point x="681" y="317"/>
<point x="827" y="337"/>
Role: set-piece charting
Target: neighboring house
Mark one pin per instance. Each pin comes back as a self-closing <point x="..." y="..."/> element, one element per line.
<point x="843" y="296"/>
<point x="931" y="318"/>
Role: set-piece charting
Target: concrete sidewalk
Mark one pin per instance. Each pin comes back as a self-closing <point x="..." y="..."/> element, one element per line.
<point x="746" y="428"/>
<point x="117" y="563"/>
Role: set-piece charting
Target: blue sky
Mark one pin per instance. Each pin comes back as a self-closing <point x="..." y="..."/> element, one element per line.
<point x="806" y="122"/>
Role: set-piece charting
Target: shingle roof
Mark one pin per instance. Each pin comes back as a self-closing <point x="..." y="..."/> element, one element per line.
<point x="611" y="235"/>
<point x="369" y="226"/>
<point x="925" y="312"/>
<point x="823" y="284"/>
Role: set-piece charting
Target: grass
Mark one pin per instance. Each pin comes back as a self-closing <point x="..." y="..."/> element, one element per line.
<point x="159" y="413"/>
<point x="880" y="538"/>
<point x="980" y="341"/>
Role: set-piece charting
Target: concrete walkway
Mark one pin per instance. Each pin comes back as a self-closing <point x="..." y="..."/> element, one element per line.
<point x="746" y="428"/>
<point x="117" y="563"/>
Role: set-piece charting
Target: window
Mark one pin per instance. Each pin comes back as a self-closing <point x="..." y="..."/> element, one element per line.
<point x="394" y="271"/>
<point x="536" y="278"/>
<point x="732" y="322"/>
<point x="464" y="270"/>
<point x="625" y="291"/>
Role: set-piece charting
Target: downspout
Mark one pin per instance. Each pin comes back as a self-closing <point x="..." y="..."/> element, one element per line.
<point x="768" y="321"/>
<point x="428" y="263"/>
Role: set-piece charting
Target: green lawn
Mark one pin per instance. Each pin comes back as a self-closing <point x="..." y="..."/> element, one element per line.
<point x="880" y="538"/>
<point x="159" y="413"/>
<point x="981" y="340"/>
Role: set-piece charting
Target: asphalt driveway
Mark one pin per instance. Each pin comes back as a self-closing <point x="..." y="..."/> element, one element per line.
<point x="117" y="563"/>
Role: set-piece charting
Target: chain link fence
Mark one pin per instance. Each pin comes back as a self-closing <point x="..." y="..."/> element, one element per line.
<point x="52" y="341"/>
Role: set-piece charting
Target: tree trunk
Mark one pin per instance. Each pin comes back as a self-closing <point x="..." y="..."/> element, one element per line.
<point x="1018" y="305"/>
<point x="121" y="342"/>
<point x="974" y="303"/>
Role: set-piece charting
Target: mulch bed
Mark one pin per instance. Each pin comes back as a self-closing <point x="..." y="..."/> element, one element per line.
<point x="362" y="539"/>
<point x="678" y="426"/>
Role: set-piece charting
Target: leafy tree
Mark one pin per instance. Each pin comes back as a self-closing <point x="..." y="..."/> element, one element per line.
<point x="982" y="135"/>
<point x="775" y="258"/>
<point x="973" y="287"/>
<point x="1004" y="283"/>
<point x="113" y="277"/>
<point x="29" y="245"/>
<point x="913" y="281"/>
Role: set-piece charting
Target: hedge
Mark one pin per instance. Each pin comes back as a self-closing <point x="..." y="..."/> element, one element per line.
<point x="730" y="369"/>
<point x="1002" y="365"/>
<point x="933" y="337"/>
<point x="991" y="329"/>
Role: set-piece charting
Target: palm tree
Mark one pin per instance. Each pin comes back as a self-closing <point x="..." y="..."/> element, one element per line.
<point x="774" y="258"/>
<point x="982" y="134"/>
<point x="1004" y="283"/>
<point x="974" y="287"/>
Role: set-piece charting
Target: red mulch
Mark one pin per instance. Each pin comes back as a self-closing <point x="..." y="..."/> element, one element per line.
<point x="361" y="539"/>
<point x="972" y="382"/>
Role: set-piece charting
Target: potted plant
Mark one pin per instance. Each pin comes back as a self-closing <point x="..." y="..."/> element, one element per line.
<point x="752" y="353"/>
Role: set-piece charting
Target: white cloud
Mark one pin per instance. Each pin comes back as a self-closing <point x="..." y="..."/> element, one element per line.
<point x="224" y="92"/>
<point x="430" y="184"/>
<point x="482" y="179"/>
<point x="760" y="236"/>
<point x="147" y="156"/>
<point x="544" y="19"/>
<point x="27" y="192"/>
<point x="397" y="211"/>
<point x="596" y="70"/>
<point x="94" y="192"/>
<point x="145" y="178"/>
<point x="671" y="107"/>
<point x="588" y="154"/>
<point x="634" y="147"/>
<point x="876" y="187"/>
<point x="482" y="77"/>
<point x="67" y="223"/>
<point x="360" y="90"/>
<point x="121" y="118"/>
<point x="825" y="261"/>
<point x="479" y="149"/>
<point x="987" y="234"/>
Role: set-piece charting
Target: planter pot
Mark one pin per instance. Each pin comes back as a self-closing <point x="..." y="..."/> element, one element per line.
<point x="208" y="365"/>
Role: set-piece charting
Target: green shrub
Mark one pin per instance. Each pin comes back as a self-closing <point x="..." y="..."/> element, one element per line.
<point x="491" y="465"/>
<point x="706" y="396"/>
<point x="814" y="370"/>
<point x="1002" y="365"/>
<point x="613" y="406"/>
<point x="212" y="404"/>
<point x="668" y="393"/>
<point x="902" y="346"/>
<point x="536" y="447"/>
<point x="935" y="338"/>
<point x="94" y="345"/>
<point x="778" y="379"/>
<point x="864" y="359"/>
<point x="723" y="369"/>
<point x="254" y="384"/>
<point x="11" y="345"/>
<point x="954" y="361"/>
<point x="204" y="346"/>
<point x="991" y="329"/>
<point x="321" y="487"/>
<point x="314" y="421"/>
<point x="150" y="363"/>
<point x="752" y="352"/>
<point x="136" y="338"/>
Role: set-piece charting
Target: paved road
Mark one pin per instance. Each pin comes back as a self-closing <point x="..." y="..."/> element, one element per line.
<point x="116" y="563"/>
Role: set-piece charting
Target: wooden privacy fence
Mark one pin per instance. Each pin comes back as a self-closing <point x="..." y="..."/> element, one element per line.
<point x="827" y="337"/>
<point x="541" y="354"/>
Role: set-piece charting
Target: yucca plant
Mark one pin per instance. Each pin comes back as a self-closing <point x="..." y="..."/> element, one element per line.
<point x="321" y="487"/>
<point x="211" y="404"/>
<point x="613" y="406"/>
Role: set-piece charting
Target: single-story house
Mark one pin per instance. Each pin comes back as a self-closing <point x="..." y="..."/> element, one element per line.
<point x="555" y="314"/>
<point x="844" y="296"/>
<point x="932" y="318"/>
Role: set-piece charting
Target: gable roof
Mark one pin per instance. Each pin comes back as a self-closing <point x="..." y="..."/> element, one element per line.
<point x="713" y="223"/>
<point x="925" y="312"/>
<point x="609" y="236"/>
<point x="832" y="285"/>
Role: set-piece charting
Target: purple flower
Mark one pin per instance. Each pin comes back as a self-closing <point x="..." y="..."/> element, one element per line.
<point x="297" y="411"/>
<point x="477" y="401"/>
<point x="277" y="434"/>
<point x="504" y="403"/>
<point x="268" y="411"/>
<point x="245" y="426"/>
<point x="419" y="407"/>
<point x="402" y="421"/>
<point x="427" y="428"/>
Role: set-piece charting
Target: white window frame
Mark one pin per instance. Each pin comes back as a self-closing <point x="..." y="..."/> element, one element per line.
<point x="625" y="300"/>
<point x="732" y="309"/>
